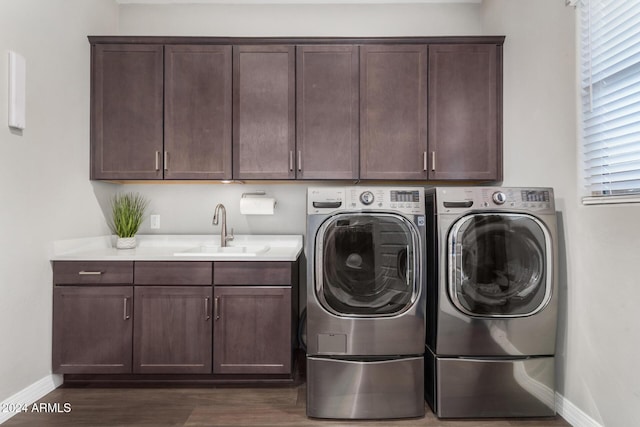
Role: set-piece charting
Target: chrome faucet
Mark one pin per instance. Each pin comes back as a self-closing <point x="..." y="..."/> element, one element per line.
<point x="220" y="210"/>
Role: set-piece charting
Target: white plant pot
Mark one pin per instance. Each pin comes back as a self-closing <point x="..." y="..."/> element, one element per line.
<point x="126" y="242"/>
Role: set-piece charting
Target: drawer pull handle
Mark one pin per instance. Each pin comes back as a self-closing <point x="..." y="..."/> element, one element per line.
<point x="89" y="273"/>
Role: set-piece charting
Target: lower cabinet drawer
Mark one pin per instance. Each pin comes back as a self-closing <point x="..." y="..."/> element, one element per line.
<point x="173" y="273"/>
<point x="276" y="273"/>
<point x="92" y="272"/>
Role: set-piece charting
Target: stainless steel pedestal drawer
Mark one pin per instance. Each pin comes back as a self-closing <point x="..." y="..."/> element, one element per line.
<point x="372" y="389"/>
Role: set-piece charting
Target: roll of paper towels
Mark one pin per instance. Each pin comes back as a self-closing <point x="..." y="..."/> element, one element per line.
<point x="257" y="205"/>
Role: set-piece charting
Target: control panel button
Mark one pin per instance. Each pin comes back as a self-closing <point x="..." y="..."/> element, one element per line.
<point x="367" y="198"/>
<point x="499" y="197"/>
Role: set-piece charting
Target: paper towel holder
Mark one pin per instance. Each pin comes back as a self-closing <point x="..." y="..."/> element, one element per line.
<point x="254" y="193"/>
<point x="254" y="203"/>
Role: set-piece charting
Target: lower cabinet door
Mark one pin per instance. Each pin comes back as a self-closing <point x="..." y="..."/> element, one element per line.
<point x="172" y="330"/>
<point x="92" y="329"/>
<point x="252" y="332"/>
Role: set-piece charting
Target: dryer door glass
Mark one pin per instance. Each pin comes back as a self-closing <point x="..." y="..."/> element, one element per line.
<point x="499" y="265"/>
<point x="366" y="264"/>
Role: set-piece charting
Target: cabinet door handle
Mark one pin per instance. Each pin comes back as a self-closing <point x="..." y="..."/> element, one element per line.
<point x="166" y="160"/>
<point x="206" y="309"/>
<point x="424" y="161"/>
<point x="290" y="160"/>
<point x="299" y="160"/>
<point x="126" y="315"/>
<point x="89" y="273"/>
<point x="157" y="160"/>
<point x="215" y="307"/>
<point x="433" y="160"/>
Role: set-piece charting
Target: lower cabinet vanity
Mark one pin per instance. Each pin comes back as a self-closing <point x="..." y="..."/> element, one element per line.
<point x="224" y="321"/>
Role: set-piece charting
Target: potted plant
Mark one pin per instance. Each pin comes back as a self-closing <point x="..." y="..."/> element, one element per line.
<point x="127" y="213"/>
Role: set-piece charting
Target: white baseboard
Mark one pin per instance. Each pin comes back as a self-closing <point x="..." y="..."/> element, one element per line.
<point x="29" y="395"/>
<point x="572" y="414"/>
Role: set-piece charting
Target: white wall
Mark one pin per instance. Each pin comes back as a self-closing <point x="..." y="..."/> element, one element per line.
<point x="598" y="337"/>
<point x="300" y="20"/>
<point x="45" y="193"/>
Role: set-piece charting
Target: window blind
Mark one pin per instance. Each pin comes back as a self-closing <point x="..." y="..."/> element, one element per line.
<point x="610" y="81"/>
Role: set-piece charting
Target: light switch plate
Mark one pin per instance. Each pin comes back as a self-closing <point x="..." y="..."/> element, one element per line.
<point x="155" y="221"/>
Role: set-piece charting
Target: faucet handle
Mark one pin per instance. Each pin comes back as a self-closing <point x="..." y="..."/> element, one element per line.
<point x="230" y="236"/>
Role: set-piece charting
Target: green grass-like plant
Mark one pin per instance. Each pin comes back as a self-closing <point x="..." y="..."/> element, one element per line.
<point x="127" y="212"/>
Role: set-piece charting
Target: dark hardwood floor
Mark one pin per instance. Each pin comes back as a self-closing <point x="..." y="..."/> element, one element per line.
<point x="221" y="406"/>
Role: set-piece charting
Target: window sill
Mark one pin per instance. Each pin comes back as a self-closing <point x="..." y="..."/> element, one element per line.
<point x="610" y="200"/>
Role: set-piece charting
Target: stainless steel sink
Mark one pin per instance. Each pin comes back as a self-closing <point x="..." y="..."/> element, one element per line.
<point x="239" y="250"/>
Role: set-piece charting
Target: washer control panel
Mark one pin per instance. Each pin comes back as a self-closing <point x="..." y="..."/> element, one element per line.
<point x="456" y="199"/>
<point x="407" y="200"/>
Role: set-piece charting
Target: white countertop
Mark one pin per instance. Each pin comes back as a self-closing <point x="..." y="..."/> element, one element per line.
<point x="154" y="247"/>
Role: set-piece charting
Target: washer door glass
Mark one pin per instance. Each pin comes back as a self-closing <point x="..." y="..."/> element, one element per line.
<point x="366" y="264"/>
<point x="499" y="265"/>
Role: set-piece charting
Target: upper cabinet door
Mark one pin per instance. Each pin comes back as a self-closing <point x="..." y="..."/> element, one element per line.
<point x="393" y="112"/>
<point x="465" y="117"/>
<point x="127" y="110"/>
<point x="327" y="112"/>
<point x="264" y="112"/>
<point x="197" y="116"/>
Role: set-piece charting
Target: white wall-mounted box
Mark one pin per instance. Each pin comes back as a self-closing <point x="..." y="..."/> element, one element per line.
<point x="17" y="91"/>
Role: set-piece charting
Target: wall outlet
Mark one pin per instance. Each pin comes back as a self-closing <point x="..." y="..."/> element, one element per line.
<point x="155" y="221"/>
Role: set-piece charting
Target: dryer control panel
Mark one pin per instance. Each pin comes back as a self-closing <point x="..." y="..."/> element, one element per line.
<point x="457" y="199"/>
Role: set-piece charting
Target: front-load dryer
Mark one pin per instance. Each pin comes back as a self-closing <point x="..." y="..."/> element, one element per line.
<point x="491" y="301"/>
<point x="365" y="302"/>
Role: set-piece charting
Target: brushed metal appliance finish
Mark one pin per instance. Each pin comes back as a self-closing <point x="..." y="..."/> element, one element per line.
<point x="521" y="330"/>
<point x="349" y="389"/>
<point x="366" y="361"/>
<point x="402" y="333"/>
<point x="460" y="333"/>
<point x="484" y="387"/>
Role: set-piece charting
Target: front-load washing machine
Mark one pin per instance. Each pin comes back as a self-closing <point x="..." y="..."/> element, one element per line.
<point x="365" y="302"/>
<point x="491" y="301"/>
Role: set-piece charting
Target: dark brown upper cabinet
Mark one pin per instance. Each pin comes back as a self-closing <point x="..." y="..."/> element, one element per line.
<point x="264" y="112"/>
<point x="197" y="112"/>
<point x="465" y="116"/>
<point x="327" y="119"/>
<point x="126" y="111"/>
<point x="393" y="112"/>
<point x="214" y="108"/>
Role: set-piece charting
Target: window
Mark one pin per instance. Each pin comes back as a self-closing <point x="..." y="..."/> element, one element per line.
<point x="610" y="83"/>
